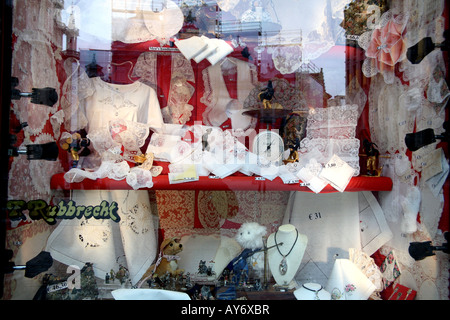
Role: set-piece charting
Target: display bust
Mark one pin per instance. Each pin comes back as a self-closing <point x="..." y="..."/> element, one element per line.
<point x="285" y="258"/>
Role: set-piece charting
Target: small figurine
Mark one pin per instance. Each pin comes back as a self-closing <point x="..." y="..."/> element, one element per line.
<point x="205" y="144"/>
<point x="202" y="268"/>
<point x="76" y="145"/>
<point x="293" y="154"/>
<point x="372" y="155"/>
<point x="266" y="96"/>
<point x="122" y="274"/>
<point x="188" y="283"/>
<point x="112" y="275"/>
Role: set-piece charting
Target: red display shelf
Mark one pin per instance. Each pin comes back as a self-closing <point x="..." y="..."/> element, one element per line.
<point x="161" y="182"/>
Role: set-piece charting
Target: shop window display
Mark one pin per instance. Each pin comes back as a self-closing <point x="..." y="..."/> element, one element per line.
<point x="224" y="150"/>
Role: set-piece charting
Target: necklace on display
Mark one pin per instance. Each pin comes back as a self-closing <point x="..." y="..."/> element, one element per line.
<point x="315" y="291"/>
<point x="283" y="267"/>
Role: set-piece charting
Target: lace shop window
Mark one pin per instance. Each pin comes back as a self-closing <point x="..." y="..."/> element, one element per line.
<point x="188" y="118"/>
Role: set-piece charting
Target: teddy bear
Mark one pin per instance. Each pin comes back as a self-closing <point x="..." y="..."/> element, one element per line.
<point x="250" y="236"/>
<point x="167" y="261"/>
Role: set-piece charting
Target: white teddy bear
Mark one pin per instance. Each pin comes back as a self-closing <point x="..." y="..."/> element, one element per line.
<point x="250" y="236"/>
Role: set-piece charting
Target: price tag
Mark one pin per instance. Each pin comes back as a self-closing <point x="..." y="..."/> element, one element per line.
<point x="315" y="216"/>
<point x="57" y="286"/>
<point x="304" y="184"/>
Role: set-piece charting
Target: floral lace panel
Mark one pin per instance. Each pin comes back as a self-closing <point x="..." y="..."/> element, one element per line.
<point x="146" y="67"/>
<point x="385" y="45"/>
<point x="33" y="71"/>
<point x="333" y="122"/>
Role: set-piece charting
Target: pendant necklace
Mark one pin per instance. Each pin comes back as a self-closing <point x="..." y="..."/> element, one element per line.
<point x="316" y="292"/>
<point x="283" y="267"/>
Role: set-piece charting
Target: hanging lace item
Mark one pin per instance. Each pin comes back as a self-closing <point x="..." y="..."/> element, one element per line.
<point x="220" y="106"/>
<point x="425" y="19"/>
<point x="388" y="115"/>
<point x="356" y="95"/>
<point x="33" y="64"/>
<point x="151" y="22"/>
<point x="178" y="109"/>
<point x="378" y="136"/>
<point x="385" y="46"/>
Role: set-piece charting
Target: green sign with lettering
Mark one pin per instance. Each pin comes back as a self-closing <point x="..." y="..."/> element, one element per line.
<point x="39" y="209"/>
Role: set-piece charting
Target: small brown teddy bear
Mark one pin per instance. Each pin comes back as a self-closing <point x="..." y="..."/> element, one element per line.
<point x="167" y="260"/>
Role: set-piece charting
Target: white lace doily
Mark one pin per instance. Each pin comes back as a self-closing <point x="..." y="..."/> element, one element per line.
<point x="332" y="122"/>
<point x="286" y="59"/>
<point x="345" y="149"/>
<point x="152" y="21"/>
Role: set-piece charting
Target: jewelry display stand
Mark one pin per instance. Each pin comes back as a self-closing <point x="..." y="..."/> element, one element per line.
<point x="284" y="260"/>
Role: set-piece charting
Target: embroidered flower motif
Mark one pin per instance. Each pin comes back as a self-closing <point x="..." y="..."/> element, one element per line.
<point x="349" y="288"/>
<point x="385" y="45"/>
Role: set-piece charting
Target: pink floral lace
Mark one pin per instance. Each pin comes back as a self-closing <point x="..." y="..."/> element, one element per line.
<point x="385" y="46"/>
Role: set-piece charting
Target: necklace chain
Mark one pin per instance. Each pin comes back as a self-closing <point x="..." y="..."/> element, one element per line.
<point x="296" y="237"/>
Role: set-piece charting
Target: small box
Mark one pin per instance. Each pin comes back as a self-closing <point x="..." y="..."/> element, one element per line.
<point x="399" y="292"/>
